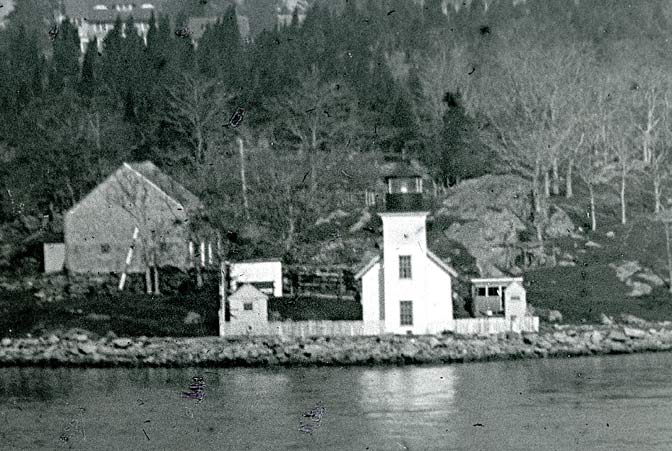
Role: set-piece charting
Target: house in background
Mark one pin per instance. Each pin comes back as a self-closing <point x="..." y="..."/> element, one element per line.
<point x="264" y="275"/>
<point x="99" y="230"/>
<point x="286" y="8"/>
<point x="408" y="288"/>
<point x="95" y="18"/>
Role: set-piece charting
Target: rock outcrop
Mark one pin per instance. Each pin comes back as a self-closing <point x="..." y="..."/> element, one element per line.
<point x="489" y="213"/>
<point x="640" y="280"/>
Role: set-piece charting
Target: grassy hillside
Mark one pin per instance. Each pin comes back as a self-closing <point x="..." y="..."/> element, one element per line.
<point x="584" y="291"/>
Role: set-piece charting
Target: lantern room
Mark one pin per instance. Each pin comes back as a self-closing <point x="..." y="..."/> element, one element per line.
<point x="404" y="190"/>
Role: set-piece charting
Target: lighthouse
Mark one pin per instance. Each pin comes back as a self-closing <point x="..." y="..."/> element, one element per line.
<point x="407" y="289"/>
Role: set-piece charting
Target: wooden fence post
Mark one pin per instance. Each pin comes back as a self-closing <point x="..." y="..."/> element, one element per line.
<point x="129" y="256"/>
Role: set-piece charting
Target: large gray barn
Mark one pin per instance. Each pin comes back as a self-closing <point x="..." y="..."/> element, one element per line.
<point x="99" y="229"/>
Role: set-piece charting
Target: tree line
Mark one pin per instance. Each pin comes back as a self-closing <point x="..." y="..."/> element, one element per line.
<point x="533" y="88"/>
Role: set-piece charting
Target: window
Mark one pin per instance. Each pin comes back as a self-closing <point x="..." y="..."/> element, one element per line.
<point x="105" y="248"/>
<point x="493" y="291"/>
<point x="404" y="266"/>
<point x="247" y="306"/>
<point x="515" y="298"/>
<point x="406" y="313"/>
<point x="481" y="291"/>
<point x="163" y="246"/>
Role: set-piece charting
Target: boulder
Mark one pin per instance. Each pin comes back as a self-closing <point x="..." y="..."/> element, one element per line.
<point x="193" y="318"/>
<point x="334" y="215"/>
<point x="651" y="278"/>
<point x="625" y="270"/>
<point x="98" y="317"/>
<point x="86" y="348"/>
<point x="639" y="289"/>
<point x="361" y="222"/>
<point x="633" y="333"/>
<point x="6" y="342"/>
<point x="604" y="319"/>
<point x="122" y="343"/>
<point x="548" y="315"/>
<point x="596" y="337"/>
<point x="611" y="234"/>
<point x="559" y="224"/>
<point x="52" y="339"/>
<point x="617" y="335"/>
<point x="627" y="318"/>
<point x="593" y="244"/>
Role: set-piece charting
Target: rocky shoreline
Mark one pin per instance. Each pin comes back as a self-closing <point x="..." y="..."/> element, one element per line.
<point x="78" y="349"/>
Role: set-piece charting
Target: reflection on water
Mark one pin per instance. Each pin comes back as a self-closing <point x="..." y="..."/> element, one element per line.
<point x="606" y="403"/>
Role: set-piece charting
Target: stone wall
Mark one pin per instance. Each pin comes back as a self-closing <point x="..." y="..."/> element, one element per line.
<point x="78" y="349"/>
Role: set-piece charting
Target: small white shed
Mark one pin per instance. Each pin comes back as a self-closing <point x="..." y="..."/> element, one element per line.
<point x="249" y="306"/>
<point x="515" y="300"/>
<point x="54" y="257"/>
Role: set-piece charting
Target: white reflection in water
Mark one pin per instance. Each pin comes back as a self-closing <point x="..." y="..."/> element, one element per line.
<point x="422" y="390"/>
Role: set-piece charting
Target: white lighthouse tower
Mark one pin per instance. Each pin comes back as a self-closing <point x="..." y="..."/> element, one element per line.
<point x="409" y="290"/>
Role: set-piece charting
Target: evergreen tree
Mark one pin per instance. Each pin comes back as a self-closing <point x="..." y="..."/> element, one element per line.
<point x="458" y="153"/>
<point x="112" y="61"/>
<point x="88" y="82"/>
<point x="65" y="61"/>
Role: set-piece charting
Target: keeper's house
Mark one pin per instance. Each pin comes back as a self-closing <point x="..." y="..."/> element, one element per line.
<point x="98" y="231"/>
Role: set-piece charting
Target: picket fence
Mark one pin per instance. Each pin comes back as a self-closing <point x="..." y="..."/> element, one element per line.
<point x="483" y="326"/>
<point x="469" y="326"/>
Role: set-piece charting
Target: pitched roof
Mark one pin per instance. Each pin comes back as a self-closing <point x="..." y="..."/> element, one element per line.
<point x="443" y="265"/>
<point x="247" y="291"/>
<point x="367" y="267"/>
<point x="167" y="184"/>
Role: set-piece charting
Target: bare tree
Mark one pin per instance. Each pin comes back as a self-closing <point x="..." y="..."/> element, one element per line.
<point x="316" y="116"/>
<point x="665" y="217"/>
<point x="243" y="179"/>
<point x="595" y="166"/>
<point x="131" y="193"/>
<point x="532" y="104"/>
<point x="197" y="109"/>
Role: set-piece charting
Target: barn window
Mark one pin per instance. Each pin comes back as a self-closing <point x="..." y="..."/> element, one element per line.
<point x="247" y="306"/>
<point x="404" y="266"/>
<point x="481" y="291"/>
<point x="406" y="313"/>
<point x="105" y="248"/>
<point x="493" y="291"/>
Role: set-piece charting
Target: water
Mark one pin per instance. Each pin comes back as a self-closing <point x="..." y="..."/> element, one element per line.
<point x="600" y="403"/>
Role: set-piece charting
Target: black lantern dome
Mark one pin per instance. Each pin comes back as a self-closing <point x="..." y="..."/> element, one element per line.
<point x="404" y="190"/>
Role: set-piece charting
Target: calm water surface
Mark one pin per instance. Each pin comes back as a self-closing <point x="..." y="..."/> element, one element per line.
<point x="600" y="403"/>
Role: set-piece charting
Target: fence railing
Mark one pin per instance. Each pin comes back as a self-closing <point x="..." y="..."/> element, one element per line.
<point x="482" y="326"/>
